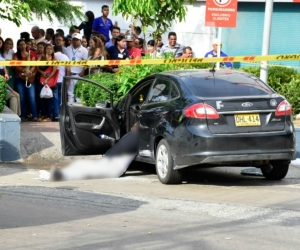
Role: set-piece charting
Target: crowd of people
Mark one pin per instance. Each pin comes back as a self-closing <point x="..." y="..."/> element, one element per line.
<point x="24" y="84"/>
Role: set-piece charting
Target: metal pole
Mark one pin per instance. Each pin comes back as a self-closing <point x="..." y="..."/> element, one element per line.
<point x="266" y="39"/>
<point x="219" y="46"/>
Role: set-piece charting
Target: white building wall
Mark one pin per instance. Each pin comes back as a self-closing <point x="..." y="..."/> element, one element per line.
<point x="192" y="32"/>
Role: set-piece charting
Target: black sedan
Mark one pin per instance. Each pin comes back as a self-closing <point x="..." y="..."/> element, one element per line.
<point x="200" y="118"/>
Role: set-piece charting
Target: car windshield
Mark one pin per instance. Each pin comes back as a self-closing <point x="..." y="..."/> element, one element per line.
<point x="223" y="85"/>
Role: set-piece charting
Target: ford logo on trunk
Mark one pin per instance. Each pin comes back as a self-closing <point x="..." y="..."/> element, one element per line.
<point x="247" y="104"/>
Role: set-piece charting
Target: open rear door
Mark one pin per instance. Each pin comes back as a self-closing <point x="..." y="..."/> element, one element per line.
<point x="81" y="126"/>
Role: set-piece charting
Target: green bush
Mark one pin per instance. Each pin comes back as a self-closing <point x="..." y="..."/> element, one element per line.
<point x="285" y="81"/>
<point x="3" y="93"/>
<point x="121" y="82"/>
<point x="128" y="76"/>
<point x="291" y="91"/>
<point x="276" y="75"/>
<point x="90" y="94"/>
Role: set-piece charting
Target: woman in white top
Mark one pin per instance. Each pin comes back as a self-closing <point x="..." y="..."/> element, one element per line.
<point x="96" y="49"/>
<point x="8" y="51"/>
<point x="12" y="96"/>
<point x="151" y="49"/>
<point x="8" y="55"/>
<point x="96" y="52"/>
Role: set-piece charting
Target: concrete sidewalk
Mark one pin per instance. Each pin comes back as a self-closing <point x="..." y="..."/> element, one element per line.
<point x="40" y="145"/>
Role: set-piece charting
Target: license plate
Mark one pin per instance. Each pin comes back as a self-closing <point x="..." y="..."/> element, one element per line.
<point x="245" y="120"/>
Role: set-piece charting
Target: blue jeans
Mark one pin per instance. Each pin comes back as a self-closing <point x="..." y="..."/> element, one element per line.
<point x="56" y="101"/>
<point x="26" y="93"/>
<point x="37" y="94"/>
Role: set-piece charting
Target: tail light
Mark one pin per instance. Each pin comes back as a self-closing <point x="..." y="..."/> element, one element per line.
<point x="284" y="108"/>
<point x="202" y="111"/>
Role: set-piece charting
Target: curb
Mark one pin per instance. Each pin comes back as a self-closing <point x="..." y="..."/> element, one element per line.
<point x="9" y="136"/>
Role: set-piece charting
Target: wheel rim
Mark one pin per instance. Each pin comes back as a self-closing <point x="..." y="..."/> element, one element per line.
<point x="162" y="161"/>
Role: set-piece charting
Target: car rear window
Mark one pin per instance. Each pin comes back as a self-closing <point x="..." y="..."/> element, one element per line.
<point x="226" y="85"/>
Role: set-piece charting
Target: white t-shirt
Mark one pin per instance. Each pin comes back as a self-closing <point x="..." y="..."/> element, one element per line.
<point x="62" y="69"/>
<point x="78" y="54"/>
<point x="9" y="55"/>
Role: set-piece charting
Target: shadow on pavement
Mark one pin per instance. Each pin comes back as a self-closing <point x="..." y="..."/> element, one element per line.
<point x="25" y="206"/>
<point x="231" y="176"/>
<point x="140" y="169"/>
<point x="218" y="176"/>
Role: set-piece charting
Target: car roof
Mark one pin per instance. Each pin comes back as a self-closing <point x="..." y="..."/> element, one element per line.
<point x="201" y="73"/>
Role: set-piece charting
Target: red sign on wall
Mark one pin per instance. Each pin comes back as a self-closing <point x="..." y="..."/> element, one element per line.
<point x="221" y="13"/>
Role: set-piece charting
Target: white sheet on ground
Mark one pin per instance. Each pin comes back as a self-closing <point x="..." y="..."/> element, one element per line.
<point x="106" y="167"/>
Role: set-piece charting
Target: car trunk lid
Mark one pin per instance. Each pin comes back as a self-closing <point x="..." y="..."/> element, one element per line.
<point x="246" y="115"/>
<point x="239" y="102"/>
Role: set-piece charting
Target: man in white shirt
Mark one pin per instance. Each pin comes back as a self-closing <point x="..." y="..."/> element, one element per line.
<point x="173" y="46"/>
<point x="63" y="71"/>
<point x="75" y="52"/>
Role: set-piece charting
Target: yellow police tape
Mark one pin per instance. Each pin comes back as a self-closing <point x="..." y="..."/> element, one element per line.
<point x="282" y="57"/>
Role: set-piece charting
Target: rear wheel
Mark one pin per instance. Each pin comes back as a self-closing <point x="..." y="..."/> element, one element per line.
<point x="275" y="170"/>
<point x="165" y="165"/>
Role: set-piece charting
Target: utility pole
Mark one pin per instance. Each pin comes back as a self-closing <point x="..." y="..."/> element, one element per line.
<point x="266" y="39"/>
<point x="219" y="45"/>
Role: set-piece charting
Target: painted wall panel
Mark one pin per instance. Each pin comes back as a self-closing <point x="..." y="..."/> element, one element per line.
<point x="247" y="37"/>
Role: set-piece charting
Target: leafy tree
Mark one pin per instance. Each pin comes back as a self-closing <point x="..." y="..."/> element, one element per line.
<point x="158" y="14"/>
<point x="14" y="10"/>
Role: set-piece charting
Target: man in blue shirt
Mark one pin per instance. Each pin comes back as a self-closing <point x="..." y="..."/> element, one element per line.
<point x="115" y="32"/>
<point x="115" y="53"/>
<point x="103" y="24"/>
<point x="214" y="53"/>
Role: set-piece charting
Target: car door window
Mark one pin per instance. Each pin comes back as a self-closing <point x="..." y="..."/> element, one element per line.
<point x="139" y="97"/>
<point x="160" y="92"/>
<point x="174" y="92"/>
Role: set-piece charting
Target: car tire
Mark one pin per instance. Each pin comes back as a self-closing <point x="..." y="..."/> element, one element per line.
<point x="275" y="170"/>
<point x="164" y="164"/>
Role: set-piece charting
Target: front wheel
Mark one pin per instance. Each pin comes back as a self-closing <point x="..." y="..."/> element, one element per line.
<point x="165" y="165"/>
<point x="275" y="170"/>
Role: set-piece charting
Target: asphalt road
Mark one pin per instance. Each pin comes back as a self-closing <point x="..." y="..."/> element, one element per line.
<point x="213" y="209"/>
